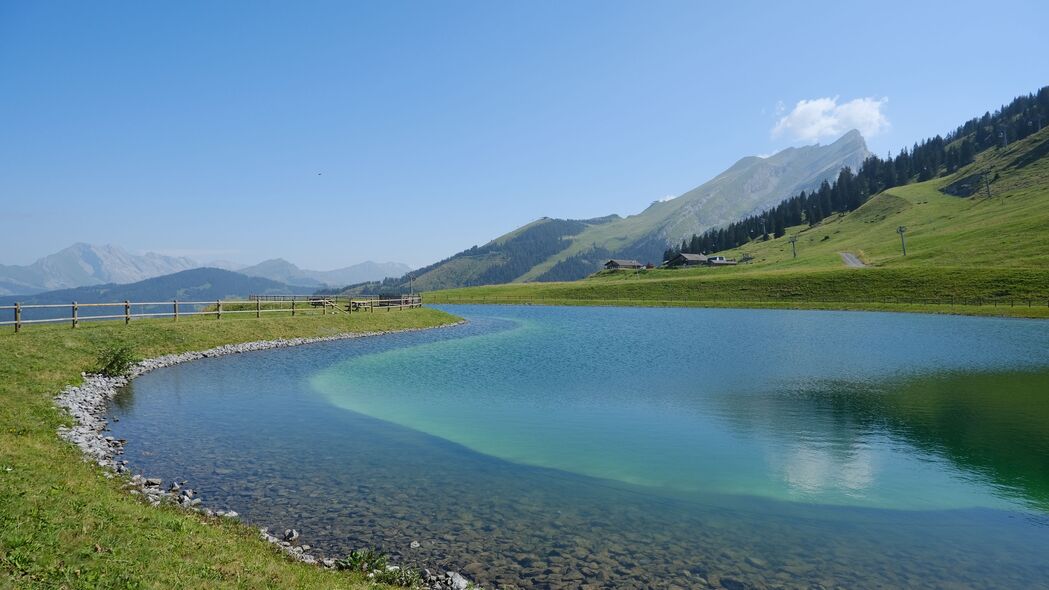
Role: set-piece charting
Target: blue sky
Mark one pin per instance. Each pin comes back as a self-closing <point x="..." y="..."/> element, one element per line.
<point x="333" y="132"/>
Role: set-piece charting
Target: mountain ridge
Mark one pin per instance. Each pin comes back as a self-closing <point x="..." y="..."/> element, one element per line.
<point x="84" y="264"/>
<point x="196" y="284"/>
<point x="282" y="270"/>
<point x="566" y="249"/>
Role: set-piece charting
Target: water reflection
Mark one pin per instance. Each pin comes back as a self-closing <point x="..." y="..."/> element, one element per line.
<point x="848" y="472"/>
<point x="576" y="391"/>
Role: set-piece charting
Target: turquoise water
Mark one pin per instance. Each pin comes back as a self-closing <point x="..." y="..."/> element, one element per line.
<point x="548" y="447"/>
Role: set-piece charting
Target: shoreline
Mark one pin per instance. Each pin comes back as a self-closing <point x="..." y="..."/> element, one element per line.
<point x="1015" y="312"/>
<point x="88" y="402"/>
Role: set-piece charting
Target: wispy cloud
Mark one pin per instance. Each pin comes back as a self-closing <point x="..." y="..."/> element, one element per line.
<point x="819" y="118"/>
<point x="666" y="198"/>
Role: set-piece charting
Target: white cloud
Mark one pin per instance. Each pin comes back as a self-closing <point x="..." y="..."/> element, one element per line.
<point x="818" y="118"/>
<point x="666" y="198"/>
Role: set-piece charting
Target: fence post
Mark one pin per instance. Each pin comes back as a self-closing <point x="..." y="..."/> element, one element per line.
<point x="76" y="309"/>
<point x="174" y="306"/>
<point x="292" y="307"/>
<point x="258" y="308"/>
<point x="18" y="317"/>
<point x="127" y="312"/>
<point x="218" y="309"/>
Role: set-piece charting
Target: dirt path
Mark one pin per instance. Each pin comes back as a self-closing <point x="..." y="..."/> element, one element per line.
<point x="851" y="260"/>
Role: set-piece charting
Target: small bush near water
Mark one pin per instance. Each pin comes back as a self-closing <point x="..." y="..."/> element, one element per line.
<point x="115" y="360"/>
<point x="399" y="576"/>
<point x="376" y="565"/>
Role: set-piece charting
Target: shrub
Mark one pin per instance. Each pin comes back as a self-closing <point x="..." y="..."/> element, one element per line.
<point x="399" y="576"/>
<point x="362" y="560"/>
<point x="115" y="360"/>
<point x="376" y="565"/>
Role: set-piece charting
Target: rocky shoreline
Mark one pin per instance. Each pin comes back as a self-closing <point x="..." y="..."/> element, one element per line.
<point x="87" y="404"/>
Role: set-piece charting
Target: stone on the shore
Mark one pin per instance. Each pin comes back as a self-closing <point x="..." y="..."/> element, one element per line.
<point x="86" y="404"/>
<point x="458" y="582"/>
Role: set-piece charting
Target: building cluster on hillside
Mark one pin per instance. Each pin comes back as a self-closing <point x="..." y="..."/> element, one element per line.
<point x="680" y="260"/>
<point x="686" y="259"/>
<point x="621" y="264"/>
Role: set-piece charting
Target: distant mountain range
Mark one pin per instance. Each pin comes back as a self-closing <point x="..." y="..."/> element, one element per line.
<point x="83" y="265"/>
<point x="545" y="250"/>
<point x="564" y="249"/>
<point x="198" y="284"/>
<point x="281" y="270"/>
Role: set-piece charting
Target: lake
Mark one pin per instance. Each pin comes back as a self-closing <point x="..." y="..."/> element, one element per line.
<point x="551" y="447"/>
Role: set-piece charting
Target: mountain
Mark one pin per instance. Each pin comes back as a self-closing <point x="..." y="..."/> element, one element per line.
<point x="225" y="265"/>
<point x="566" y="249"/>
<point x="85" y="264"/>
<point x="974" y="206"/>
<point x="199" y="284"/>
<point x="281" y="270"/>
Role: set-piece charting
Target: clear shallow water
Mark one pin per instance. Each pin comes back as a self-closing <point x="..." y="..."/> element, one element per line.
<point x="547" y="447"/>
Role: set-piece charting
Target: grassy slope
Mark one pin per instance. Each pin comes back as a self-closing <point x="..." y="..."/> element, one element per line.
<point x="958" y="248"/>
<point x="804" y="167"/>
<point x="1008" y="230"/>
<point x="64" y="525"/>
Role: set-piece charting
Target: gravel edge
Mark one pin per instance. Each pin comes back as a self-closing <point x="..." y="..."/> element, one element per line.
<point x="87" y="404"/>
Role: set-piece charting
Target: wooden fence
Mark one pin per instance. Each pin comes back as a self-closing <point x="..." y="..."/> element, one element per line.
<point x="256" y="304"/>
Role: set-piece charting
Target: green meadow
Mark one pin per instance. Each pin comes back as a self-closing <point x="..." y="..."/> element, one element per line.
<point x="66" y="525"/>
<point x="983" y="254"/>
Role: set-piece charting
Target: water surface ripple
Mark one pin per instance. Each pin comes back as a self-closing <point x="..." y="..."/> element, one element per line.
<point x="543" y="447"/>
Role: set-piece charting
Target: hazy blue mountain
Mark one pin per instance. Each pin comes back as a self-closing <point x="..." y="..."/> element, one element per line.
<point x="85" y="264"/>
<point x="199" y="284"/>
<point x="281" y="270"/>
<point x="224" y="265"/>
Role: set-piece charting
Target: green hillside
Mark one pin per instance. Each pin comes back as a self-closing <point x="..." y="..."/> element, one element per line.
<point x="1005" y="230"/>
<point x="566" y="249"/>
<point x="961" y="251"/>
<point x="750" y="185"/>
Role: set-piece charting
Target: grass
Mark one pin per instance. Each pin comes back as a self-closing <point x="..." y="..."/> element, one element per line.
<point x="65" y="525"/>
<point x="999" y="292"/>
<point x="972" y="255"/>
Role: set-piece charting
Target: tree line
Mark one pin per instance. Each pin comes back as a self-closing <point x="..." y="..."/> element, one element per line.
<point x="929" y="159"/>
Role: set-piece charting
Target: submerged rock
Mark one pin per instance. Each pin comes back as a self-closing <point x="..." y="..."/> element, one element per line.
<point x="87" y="404"/>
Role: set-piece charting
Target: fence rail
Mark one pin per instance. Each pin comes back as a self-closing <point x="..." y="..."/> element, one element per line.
<point x="256" y="304"/>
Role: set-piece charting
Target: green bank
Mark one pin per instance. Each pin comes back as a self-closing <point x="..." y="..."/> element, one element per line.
<point x="65" y="525"/>
<point x="983" y="253"/>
